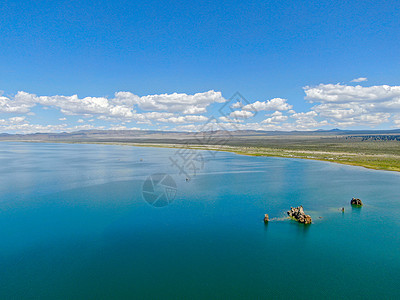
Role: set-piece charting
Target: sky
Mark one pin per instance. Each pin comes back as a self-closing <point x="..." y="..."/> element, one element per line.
<point x="183" y="65"/>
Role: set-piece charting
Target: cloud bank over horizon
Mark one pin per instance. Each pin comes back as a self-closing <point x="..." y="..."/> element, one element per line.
<point x="331" y="106"/>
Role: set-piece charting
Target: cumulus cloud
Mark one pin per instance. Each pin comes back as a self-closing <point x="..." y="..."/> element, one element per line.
<point x="16" y="120"/>
<point x="169" y="108"/>
<point x="277" y="114"/>
<point x="156" y="115"/>
<point x="236" y="105"/>
<point x="338" y="93"/>
<point x="241" y="114"/>
<point x="20" y="104"/>
<point x="270" y="105"/>
<point x="360" y="79"/>
<point x="230" y="120"/>
<point x="11" y="121"/>
<point x="184" y="119"/>
<point x="306" y="120"/>
<point x="175" y="103"/>
<point x="121" y="106"/>
<point x="354" y="105"/>
<point x="333" y="105"/>
<point x="276" y="117"/>
<point x="396" y="120"/>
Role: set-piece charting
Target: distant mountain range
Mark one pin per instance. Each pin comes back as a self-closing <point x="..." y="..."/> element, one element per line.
<point x="153" y="136"/>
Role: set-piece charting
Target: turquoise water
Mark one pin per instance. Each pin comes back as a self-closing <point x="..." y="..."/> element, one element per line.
<point x="74" y="225"/>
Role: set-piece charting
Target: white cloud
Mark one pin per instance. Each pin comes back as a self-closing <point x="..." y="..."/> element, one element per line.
<point x="118" y="127"/>
<point x="270" y="105"/>
<point x="12" y="121"/>
<point x="347" y="106"/>
<point x="156" y="115"/>
<point x="184" y="119"/>
<point x="229" y="120"/>
<point x="241" y="114"/>
<point x="254" y="126"/>
<point x="307" y="121"/>
<point x="360" y="79"/>
<point x="396" y="120"/>
<point x="304" y="115"/>
<point x="336" y="105"/>
<point x="338" y="93"/>
<point x="236" y="105"/>
<point x="121" y="106"/>
<point x="20" y="104"/>
<point x="277" y="114"/>
<point x="175" y="103"/>
<point x="16" y="120"/>
<point x="275" y="119"/>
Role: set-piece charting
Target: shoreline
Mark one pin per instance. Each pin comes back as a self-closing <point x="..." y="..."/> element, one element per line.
<point x="379" y="162"/>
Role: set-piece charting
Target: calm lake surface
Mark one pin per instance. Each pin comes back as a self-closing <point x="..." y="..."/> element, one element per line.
<point x="74" y="225"/>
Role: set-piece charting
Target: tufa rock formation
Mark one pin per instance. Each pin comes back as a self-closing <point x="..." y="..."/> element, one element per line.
<point x="356" y="202"/>
<point x="266" y="218"/>
<point x="298" y="214"/>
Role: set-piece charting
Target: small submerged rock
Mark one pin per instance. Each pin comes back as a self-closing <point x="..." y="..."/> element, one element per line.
<point x="266" y="218"/>
<point x="298" y="214"/>
<point x="356" y="202"/>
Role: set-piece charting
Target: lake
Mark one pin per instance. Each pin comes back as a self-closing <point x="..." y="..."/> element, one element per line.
<point x="81" y="222"/>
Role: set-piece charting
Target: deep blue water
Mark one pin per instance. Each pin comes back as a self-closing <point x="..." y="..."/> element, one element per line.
<point x="74" y="225"/>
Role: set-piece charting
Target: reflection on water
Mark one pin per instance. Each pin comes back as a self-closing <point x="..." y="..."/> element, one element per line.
<point x="356" y="209"/>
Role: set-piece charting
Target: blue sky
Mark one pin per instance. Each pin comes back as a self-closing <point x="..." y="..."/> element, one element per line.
<point x="296" y="51"/>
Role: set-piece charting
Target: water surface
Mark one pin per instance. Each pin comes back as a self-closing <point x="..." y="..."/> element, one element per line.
<point x="74" y="224"/>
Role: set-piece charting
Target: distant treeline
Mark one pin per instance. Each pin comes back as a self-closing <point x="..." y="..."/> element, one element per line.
<point x="375" y="137"/>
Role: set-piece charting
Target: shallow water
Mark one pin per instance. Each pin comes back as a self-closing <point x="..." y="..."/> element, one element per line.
<point x="74" y="224"/>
